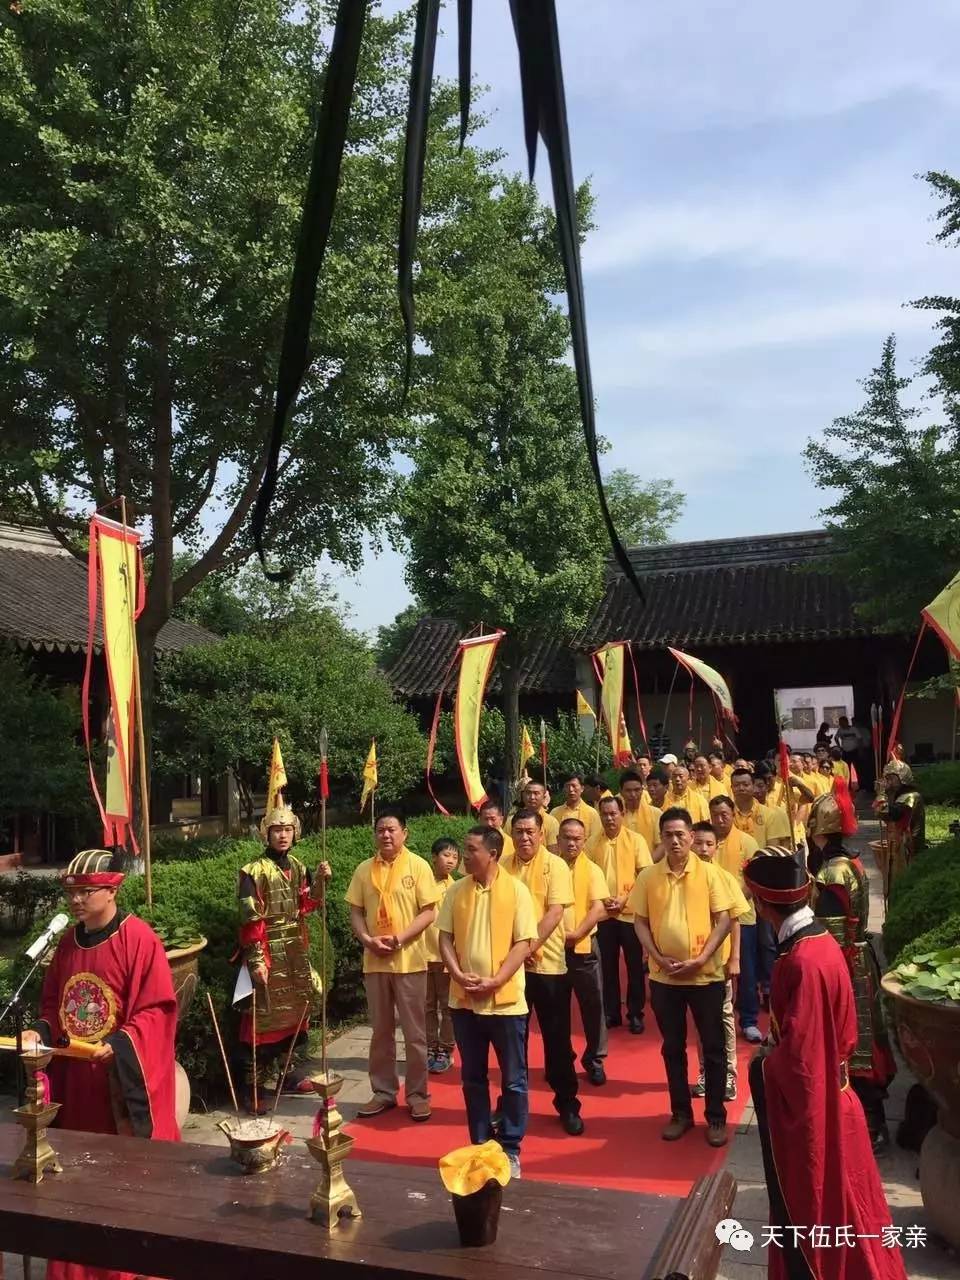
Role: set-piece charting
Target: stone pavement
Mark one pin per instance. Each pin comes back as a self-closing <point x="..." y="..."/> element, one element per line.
<point x="929" y="1261"/>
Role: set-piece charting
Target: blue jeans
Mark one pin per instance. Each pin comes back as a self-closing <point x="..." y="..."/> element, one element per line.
<point x="748" y="1004"/>
<point x="475" y="1033"/>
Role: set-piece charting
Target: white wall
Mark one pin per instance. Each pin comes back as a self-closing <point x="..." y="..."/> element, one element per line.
<point x="812" y="704"/>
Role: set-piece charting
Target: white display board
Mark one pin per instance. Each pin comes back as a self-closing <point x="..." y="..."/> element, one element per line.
<point x="802" y="711"/>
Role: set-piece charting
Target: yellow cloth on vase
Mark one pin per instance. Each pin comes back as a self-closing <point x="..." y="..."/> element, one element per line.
<point x="469" y="1169"/>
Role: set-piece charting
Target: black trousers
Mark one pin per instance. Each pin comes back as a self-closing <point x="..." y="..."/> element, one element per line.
<point x="548" y="996"/>
<point x="583" y="981"/>
<point x="670" y="1005"/>
<point x="615" y="936"/>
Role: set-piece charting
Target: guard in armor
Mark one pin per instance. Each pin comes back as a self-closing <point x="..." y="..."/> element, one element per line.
<point x="900" y="808"/>
<point x="842" y="905"/>
<point x="276" y="894"/>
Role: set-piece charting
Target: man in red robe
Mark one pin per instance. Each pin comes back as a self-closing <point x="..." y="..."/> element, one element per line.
<point x="828" y="1211"/>
<point x="109" y="984"/>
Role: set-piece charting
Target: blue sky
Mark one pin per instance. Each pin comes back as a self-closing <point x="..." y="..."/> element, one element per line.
<point x="759" y="227"/>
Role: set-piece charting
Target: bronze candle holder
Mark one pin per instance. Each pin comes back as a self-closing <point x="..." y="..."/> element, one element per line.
<point x="333" y="1198"/>
<point x="34" y="1116"/>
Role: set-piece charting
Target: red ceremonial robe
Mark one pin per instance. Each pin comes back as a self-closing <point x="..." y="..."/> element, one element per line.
<point x="820" y="1170"/>
<point x="114" y="987"/>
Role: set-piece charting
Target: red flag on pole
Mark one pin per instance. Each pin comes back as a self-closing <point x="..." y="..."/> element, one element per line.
<point x="784" y="764"/>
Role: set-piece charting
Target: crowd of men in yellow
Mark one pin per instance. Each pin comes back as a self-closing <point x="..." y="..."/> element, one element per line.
<point x="550" y="901"/>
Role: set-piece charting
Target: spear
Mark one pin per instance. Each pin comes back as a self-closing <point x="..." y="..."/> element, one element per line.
<point x="543" y="750"/>
<point x="324" y="796"/>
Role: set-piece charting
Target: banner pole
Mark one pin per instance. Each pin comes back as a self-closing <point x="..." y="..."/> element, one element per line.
<point x="138" y="703"/>
<point x="787" y="788"/>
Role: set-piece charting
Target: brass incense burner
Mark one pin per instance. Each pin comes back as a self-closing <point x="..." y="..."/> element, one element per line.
<point x="333" y="1198"/>
<point x="34" y="1116"/>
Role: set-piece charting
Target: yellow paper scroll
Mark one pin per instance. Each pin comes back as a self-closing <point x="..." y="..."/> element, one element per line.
<point x="712" y="679"/>
<point x="476" y="659"/>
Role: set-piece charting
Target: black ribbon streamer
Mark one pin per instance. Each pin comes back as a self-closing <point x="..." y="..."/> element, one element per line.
<point x="415" y="150"/>
<point x="318" y="205"/>
<point x="464" y="32"/>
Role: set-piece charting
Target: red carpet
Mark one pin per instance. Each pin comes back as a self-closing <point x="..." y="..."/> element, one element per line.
<point x="621" y="1147"/>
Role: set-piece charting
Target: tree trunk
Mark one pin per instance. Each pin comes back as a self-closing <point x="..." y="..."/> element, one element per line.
<point x="509" y="656"/>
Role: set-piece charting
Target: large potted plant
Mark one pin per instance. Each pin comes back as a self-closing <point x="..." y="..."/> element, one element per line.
<point x="924" y="994"/>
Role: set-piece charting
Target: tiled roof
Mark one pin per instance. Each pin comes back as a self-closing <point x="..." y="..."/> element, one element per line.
<point x="419" y="671"/>
<point x="43" y="599"/>
<point x="730" y="591"/>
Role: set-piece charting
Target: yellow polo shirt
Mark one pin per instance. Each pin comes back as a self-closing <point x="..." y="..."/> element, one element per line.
<point x="551" y="958"/>
<point x="477" y="954"/>
<point x="672" y="937"/>
<point x="695" y="805"/>
<point x="596" y="892"/>
<point x="741" y="908"/>
<point x="734" y="863"/>
<point x="550" y="828"/>
<point x="604" y="853"/>
<point x="585" y="812"/>
<point x="645" y="821"/>
<point x="414" y="891"/>
<point x="431" y="936"/>
<point x="763" y="823"/>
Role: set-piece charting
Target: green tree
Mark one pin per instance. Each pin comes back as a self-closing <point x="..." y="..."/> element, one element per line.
<point x="242" y="601"/>
<point x="501" y="519"/>
<point x="895" y="518"/>
<point x="943" y="362"/>
<point x="153" y="165"/>
<point x="644" y="511"/>
<point x="42" y="767"/>
<point x="393" y="638"/>
<point x="220" y="706"/>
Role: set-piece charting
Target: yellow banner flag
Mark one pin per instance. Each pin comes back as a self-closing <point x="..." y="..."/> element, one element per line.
<point x="278" y="777"/>
<point x="943" y="614"/>
<point x="624" y="749"/>
<point x="712" y="679"/>
<point x="583" y="706"/>
<point x="610" y="667"/>
<point x="370" y="778"/>
<point x="115" y="577"/>
<point x="527" y="749"/>
<point x="476" y="659"/>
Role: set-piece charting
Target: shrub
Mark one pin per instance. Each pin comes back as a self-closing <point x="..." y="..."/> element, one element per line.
<point x="939" y="783"/>
<point x="24" y="897"/>
<point x="943" y="935"/>
<point x="925" y="896"/>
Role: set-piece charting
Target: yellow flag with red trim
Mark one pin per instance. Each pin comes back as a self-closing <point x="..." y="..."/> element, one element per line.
<point x="943" y="614"/>
<point x="527" y="749"/>
<point x="583" y="706"/>
<point x="278" y="777"/>
<point x="370" y="777"/>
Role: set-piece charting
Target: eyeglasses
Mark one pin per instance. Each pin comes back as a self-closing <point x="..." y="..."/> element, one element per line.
<point x="82" y="893"/>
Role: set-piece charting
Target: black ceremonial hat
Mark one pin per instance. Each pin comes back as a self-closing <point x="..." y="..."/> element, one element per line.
<point x="776" y="879"/>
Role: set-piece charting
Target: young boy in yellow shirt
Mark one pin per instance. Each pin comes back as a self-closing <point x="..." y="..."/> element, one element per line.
<point x="445" y="855"/>
<point x="705" y="847"/>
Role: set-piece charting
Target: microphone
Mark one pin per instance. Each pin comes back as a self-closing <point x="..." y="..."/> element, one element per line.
<point x="53" y="929"/>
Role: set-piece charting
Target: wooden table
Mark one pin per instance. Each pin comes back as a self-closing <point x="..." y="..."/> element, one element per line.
<point x="183" y="1211"/>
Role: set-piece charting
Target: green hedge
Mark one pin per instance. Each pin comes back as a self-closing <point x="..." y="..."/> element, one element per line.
<point x="924" y="898"/>
<point x="936" y="939"/>
<point x="939" y="783"/>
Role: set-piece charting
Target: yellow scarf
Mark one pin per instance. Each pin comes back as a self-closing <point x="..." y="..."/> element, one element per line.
<point x="625" y="860"/>
<point x="696" y="890"/>
<point x="503" y="902"/>
<point x="385" y="877"/>
<point x="535" y="878"/>
<point x="581" y="900"/>
<point x="730" y="854"/>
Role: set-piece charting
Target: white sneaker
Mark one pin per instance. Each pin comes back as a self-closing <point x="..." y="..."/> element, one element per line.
<point x="753" y="1034"/>
<point x="731" y="1091"/>
<point x="514" y="1162"/>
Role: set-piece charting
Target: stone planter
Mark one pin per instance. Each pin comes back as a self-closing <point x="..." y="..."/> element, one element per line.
<point x="929" y="1038"/>
<point x="185" y="967"/>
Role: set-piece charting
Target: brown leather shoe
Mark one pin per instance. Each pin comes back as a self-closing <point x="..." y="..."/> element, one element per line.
<point x="374" y="1107"/>
<point x="717" y="1135"/>
<point x="678" y="1126"/>
<point x="420" y="1109"/>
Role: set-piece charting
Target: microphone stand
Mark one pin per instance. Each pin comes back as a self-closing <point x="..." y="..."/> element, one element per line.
<point x="15" y="1007"/>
